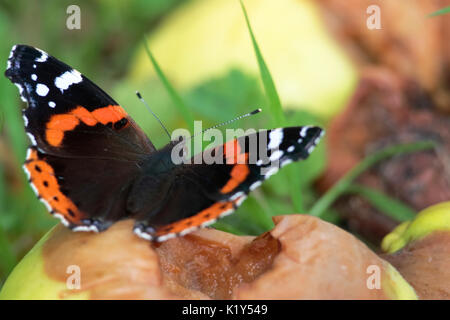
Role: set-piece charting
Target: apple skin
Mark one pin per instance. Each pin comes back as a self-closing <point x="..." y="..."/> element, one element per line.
<point x="432" y="219"/>
<point x="303" y="257"/>
<point x="420" y="250"/>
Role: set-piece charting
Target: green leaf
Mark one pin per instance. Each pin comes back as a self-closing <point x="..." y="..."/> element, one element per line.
<point x="184" y="110"/>
<point x="225" y="96"/>
<point x="344" y="183"/>
<point x="390" y="206"/>
<point x="440" y="12"/>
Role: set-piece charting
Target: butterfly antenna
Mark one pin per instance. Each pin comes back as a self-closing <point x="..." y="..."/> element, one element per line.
<point x="156" y="117"/>
<point x="230" y="121"/>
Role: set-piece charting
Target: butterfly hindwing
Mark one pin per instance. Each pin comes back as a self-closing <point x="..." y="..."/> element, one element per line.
<point x="221" y="187"/>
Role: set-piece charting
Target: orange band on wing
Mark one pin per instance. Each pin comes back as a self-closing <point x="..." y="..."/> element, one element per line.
<point x="84" y="115"/>
<point x="42" y="177"/>
<point x="238" y="174"/>
<point x="60" y="123"/>
<point x="233" y="153"/>
<point x="209" y="214"/>
<point x="109" y="114"/>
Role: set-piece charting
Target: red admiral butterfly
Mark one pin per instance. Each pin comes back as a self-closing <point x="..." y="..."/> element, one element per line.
<point x="91" y="164"/>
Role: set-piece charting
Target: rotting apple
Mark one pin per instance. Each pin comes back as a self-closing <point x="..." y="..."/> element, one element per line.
<point x="420" y="250"/>
<point x="301" y="258"/>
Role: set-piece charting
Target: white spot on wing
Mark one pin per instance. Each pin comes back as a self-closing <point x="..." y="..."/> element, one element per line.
<point x="42" y="89"/>
<point x="142" y="234"/>
<point x="276" y="155"/>
<point x="28" y="153"/>
<point x="51" y="104"/>
<point x="25" y="120"/>
<point x="166" y="237"/>
<point x="20" y="91"/>
<point x="47" y="205"/>
<point x="35" y="190"/>
<point x="255" y="185"/>
<point x="67" y="79"/>
<point x="85" y="228"/>
<point x="276" y="136"/>
<point x="290" y="149"/>
<point x="285" y="162"/>
<point x="187" y="230"/>
<point x="240" y="200"/>
<point x="32" y="139"/>
<point x="62" y="219"/>
<point x="236" y="195"/>
<point x="223" y="214"/>
<point x="12" y="51"/>
<point x="43" y="57"/>
<point x="26" y="171"/>
<point x="271" y="172"/>
<point x="304" y="131"/>
<point x="33" y="77"/>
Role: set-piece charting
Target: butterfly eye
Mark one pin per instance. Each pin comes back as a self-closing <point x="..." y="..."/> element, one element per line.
<point x="120" y="124"/>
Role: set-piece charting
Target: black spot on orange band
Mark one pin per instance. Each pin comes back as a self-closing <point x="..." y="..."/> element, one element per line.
<point x="42" y="177"/>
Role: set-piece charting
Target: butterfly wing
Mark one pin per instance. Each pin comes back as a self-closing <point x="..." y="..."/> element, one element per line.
<point x="203" y="193"/>
<point x="85" y="148"/>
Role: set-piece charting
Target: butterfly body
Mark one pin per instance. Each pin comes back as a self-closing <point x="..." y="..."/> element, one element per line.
<point x="91" y="164"/>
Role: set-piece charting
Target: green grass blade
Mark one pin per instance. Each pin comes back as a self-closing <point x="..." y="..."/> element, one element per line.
<point x="389" y="206"/>
<point x="440" y="12"/>
<point x="269" y="86"/>
<point x="344" y="183"/>
<point x="176" y="98"/>
<point x="292" y="173"/>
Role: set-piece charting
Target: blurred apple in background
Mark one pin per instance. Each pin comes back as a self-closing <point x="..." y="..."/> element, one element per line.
<point x="205" y="39"/>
